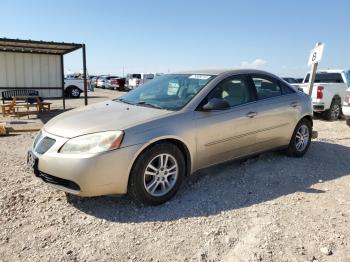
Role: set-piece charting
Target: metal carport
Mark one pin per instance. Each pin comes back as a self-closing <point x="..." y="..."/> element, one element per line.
<point x="39" y="65"/>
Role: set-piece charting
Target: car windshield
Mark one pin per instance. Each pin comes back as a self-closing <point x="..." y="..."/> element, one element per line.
<point x="171" y="92"/>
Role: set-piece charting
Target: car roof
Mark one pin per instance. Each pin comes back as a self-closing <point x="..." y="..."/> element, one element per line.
<point x="222" y="71"/>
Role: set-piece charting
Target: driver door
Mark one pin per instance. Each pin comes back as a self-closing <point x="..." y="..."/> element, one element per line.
<point x="226" y="134"/>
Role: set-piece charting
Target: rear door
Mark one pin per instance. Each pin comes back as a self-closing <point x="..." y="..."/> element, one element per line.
<point x="277" y="107"/>
<point x="226" y="134"/>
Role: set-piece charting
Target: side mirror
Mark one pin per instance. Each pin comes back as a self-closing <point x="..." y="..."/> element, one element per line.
<point x="216" y="104"/>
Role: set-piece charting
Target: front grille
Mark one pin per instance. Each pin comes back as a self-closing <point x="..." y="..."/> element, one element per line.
<point x="44" y="144"/>
<point x="59" y="181"/>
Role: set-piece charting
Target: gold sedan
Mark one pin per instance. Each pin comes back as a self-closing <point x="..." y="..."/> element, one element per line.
<point x="146" y="142"/>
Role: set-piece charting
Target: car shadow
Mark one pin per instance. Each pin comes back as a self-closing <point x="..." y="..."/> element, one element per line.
<point x="318" y="116"/>
<point x="230" y="186"/>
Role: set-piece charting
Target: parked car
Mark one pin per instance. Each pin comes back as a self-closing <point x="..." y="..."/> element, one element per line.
<point x="346" y="104"/>
<point x="117" y="83"/>
<point x="328" y="91"/>
<point x="290" y="80"/>
<point x="102" y="80"/>
<point x="147" y="141"/>
<point x="134" y="80"/>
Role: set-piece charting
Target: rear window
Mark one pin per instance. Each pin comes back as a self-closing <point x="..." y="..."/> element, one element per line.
<point x="326" y="78"/>
<point x="290" y="80"/>
<point x="136" y="76"/>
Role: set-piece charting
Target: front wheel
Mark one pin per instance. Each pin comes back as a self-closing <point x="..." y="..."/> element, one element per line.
<point x="74" y="92"/>
<point x="301" y="139"/>
<point x="157" y="174"/>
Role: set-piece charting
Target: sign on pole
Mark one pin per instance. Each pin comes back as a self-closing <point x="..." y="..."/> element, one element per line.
<point x="316" y="55"/>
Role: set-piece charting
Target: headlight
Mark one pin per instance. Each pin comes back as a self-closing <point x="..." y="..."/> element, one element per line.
<point x="93" y="143"/>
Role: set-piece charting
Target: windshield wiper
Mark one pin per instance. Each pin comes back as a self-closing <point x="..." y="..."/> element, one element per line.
<point x="144" y="103"/>
<point x="123" y="100"/>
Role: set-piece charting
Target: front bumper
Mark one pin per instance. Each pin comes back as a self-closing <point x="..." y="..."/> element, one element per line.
<point x="86" y="175"/>
<point x="346" y="111"/>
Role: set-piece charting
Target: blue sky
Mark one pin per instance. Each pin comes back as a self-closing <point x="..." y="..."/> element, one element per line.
<point x="162" y="36"/>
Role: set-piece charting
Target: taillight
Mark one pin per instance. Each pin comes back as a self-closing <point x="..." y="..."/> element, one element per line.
<point x="347" y="98"/>
<point x="319" y="92"/>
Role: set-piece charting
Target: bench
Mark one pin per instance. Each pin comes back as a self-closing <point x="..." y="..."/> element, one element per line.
<point x="8" y="95"/>
<point x="14" y="108"/>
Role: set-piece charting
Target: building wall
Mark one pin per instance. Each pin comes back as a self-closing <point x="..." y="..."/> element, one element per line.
<point x="33" y="71"/>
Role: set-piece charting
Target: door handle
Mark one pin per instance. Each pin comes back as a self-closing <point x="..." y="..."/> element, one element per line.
<point x="294" y="104"/>
<point x="251" y="114"/>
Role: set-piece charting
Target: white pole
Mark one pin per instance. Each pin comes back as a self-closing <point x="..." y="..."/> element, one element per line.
<point x="313" y="73"/>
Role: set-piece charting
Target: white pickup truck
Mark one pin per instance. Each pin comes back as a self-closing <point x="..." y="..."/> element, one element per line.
<point x="328" y="92"/>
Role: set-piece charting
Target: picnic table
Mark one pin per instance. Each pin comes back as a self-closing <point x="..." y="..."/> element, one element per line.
<point x="25" y="106"/>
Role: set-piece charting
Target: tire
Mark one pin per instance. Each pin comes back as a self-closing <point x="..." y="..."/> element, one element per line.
<point x="334" y="112"/>
<point x="304" y="130"/>
<point x="154" y="185"/>
<point x="347" y="121"/>
<point x="75" y="92"/>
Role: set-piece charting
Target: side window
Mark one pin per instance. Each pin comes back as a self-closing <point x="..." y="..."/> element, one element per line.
<point x="234" y="90"/>
<point x="286" y="89"/>
<point x="266" y="88"/>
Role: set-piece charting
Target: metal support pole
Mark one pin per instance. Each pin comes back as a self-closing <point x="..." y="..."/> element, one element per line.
<point x="313" y="74"/>
<point x="62" y="83"/>
<point x="84" y="75"/>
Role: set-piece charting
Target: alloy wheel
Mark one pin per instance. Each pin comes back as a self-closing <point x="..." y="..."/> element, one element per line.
<point x="302" y="138"/>
<point x="161" y="175"/>
<point x="75" y="92"/>
<point x="335" y="111"/>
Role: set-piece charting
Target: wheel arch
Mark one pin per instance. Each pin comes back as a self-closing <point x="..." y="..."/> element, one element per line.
<point x="73" y="86"/>
<point x="336" y="97"/>
<point x="309" y="118"/>
<point x="173" y="140"/>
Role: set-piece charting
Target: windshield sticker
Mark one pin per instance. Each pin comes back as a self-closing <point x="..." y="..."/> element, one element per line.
<point x="201" y="77"/>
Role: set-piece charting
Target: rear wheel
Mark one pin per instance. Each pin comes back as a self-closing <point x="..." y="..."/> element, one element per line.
<point x="157" y="174"/>
<point x="334" y="112"/>
<point x="301" y="139"/>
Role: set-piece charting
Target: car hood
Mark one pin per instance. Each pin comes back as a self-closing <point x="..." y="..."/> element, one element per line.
<point x="109" y="115"/>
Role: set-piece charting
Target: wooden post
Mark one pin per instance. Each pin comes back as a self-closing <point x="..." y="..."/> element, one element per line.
<point x="84" y="75"/>
<point x="313" y="74"/>
<point x="62" y="84"/>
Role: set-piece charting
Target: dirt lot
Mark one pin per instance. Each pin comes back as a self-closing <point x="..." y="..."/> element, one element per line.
<point x="269" y="208"/>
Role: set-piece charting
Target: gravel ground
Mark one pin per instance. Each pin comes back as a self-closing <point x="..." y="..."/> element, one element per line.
<point x="268" y="208"/>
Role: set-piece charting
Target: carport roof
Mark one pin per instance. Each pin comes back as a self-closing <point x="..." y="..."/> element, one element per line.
<point x="37" y="47"/>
